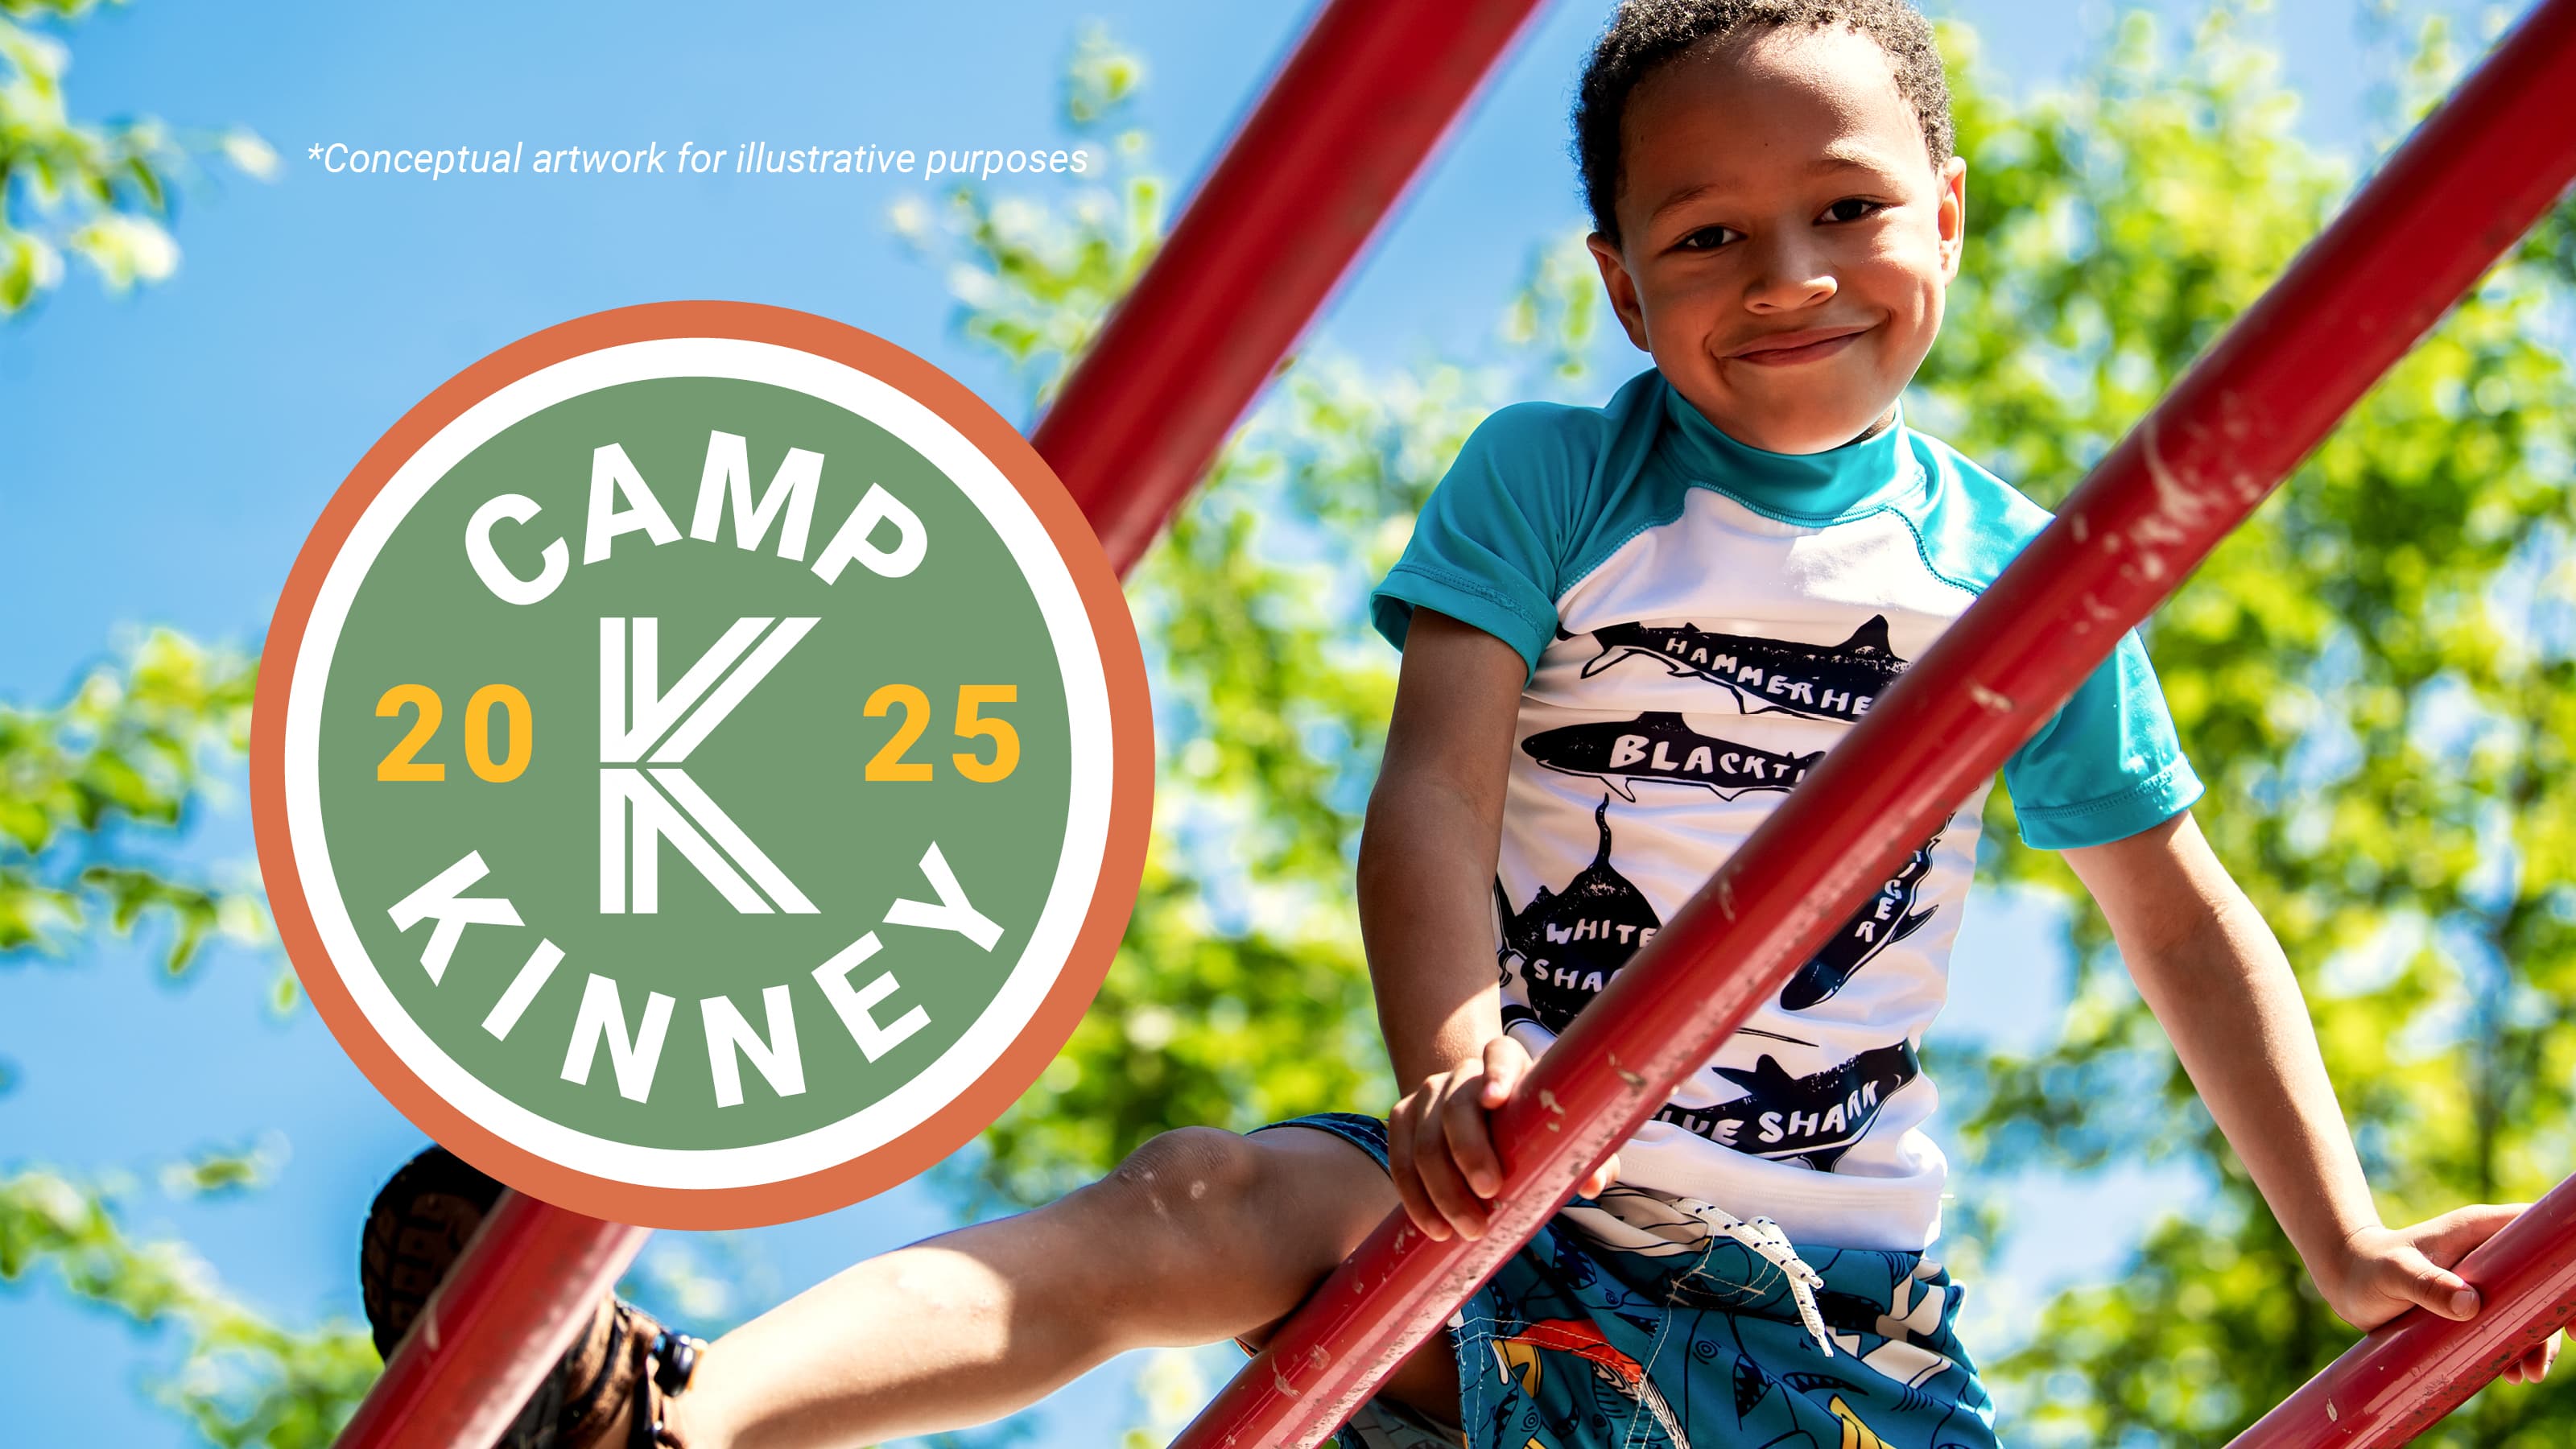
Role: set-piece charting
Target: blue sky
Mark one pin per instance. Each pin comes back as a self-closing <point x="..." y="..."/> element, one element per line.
<point x="167" y="452"/>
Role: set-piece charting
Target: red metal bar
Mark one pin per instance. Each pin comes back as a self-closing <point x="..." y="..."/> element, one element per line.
<point x="2401" y="1380"/>
<point x="525" y="1285"/>
<point x="1325" y="155"/>
<point x="1321" y="161"/>
<point x="2453" y="198"/>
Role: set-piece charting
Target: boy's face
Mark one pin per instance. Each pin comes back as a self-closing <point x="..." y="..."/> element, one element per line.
<point x="1786" y="241"/>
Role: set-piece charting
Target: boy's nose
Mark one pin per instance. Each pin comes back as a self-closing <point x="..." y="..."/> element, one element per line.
<point x="1786" y="278"/>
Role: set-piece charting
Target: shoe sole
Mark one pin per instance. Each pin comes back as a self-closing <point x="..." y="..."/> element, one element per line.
<point x="416" y="1229"/>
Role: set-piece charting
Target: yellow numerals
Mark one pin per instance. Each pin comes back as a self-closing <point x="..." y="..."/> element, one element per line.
<point x="404" y="764"/>
<point x="889" y="762"/>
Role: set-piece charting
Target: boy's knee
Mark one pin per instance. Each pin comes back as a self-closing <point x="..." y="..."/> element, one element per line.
<point x="1195" y="1249"/>
<point x="1190" y="1177"/>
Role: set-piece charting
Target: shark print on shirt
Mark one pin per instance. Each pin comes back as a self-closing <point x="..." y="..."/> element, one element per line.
<point x="1883" y="920"/>
<point x="1571" y="942"/>
<point x="1660" y="746"/>
<point x="1810" y="1120"/>
<point x="1820" y="681"/>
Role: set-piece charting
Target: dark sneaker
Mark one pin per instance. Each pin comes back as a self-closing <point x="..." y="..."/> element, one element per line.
<point x="609" y="1388"/>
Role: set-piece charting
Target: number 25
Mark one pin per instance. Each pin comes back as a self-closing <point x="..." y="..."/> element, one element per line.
<point x="890" y="764"/>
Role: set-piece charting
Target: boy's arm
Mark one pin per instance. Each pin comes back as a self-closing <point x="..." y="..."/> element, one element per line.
<point x="2210" y="969"/>
<point x="1426" y="873"/>
<point x="1427" y="849"/>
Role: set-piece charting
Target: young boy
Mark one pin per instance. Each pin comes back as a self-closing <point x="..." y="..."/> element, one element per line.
<point x="1627" y="632"/>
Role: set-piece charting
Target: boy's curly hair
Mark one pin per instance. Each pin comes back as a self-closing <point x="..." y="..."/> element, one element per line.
<point x="1645" y="34"/>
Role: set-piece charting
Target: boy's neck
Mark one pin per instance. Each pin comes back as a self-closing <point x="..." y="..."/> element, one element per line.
<point x="1822" y="485"/>
<point x="1885" y="421"/>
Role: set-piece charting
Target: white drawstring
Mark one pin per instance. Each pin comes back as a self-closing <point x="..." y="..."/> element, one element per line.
<point x="1764" y="1237"/>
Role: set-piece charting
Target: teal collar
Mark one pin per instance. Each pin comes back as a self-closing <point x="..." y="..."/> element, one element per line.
<point x="1804" y="486"/>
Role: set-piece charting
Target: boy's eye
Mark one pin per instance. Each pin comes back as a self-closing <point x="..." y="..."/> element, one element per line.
<point x="1707" y="239"/>
<point x="1850" y="208"/>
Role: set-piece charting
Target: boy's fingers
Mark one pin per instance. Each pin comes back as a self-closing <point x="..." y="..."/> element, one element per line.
<point x="1408" y="1182"/>
<point x="1505" y="1060"/>
<point x="2450" y="1237"/>
<point x="1448" y="1191"/>
<point x="1417" y="1206"/>
<point x="2438" y="1289"/>
<point x="1601" y="1178"/>
<point x="1462" y="1120"/>
<point x="1450" y="1196"/>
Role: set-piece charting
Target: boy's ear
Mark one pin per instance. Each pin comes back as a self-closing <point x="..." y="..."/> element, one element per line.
<point x="1621" y="287"/>
<point x="1953" y="219"/>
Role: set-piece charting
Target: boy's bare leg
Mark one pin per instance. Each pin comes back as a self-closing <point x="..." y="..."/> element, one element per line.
<point x="1200" y="1236"/>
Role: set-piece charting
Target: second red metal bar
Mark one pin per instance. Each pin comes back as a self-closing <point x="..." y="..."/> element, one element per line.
<point x="2459" y="192"/>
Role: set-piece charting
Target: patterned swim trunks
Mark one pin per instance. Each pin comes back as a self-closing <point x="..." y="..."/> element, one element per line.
<point x="1628" y="1323"/>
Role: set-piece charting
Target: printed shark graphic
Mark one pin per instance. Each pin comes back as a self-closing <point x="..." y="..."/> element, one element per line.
<point x="1882" y="921"/>
<point x="1572" y="942"/>
<point x="1812" y="1120"/>
<point x="1820" y="681"/>
<point x="1659" y="746"/>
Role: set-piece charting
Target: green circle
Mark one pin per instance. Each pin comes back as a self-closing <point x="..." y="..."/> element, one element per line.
<point x="788" y="765"/>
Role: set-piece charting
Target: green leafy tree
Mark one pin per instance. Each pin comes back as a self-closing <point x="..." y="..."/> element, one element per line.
<point x="92" y="791"/>
<point x="99" y="191"/>
<point x="241" y="1379"/>
<point x="2373" y="676"/>
<point x="83" y="785"/>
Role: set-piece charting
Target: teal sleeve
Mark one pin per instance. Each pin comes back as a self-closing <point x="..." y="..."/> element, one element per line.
<point x="1491" y="540"/>
<point x="2108" y="766"/>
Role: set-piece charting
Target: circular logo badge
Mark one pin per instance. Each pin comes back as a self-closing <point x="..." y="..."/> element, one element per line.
<point x="702" y="765"/>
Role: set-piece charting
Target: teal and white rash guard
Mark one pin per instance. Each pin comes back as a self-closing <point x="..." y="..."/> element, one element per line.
<point x="1702" y="620"/>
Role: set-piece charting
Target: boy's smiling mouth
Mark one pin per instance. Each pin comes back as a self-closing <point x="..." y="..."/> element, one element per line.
<point x="1785" y="349"/>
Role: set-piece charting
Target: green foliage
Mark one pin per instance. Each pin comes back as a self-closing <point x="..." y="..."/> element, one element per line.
<point x="86" y="787"/>
<point x="240" y="1380"/>
<point x="1032" y="284"/>
<point x="102" y="192"/>
<point x="226" y="1171"/>
<point x="2373" y="677"/>
<point x="84" y="784"/>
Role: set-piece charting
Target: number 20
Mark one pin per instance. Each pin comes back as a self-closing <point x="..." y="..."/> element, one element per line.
<point x="403" y="764"/>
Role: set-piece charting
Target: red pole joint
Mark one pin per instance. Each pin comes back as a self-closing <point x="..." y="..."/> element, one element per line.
<point x="2447" y="204"/>
<point x="1324" y="157"/>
